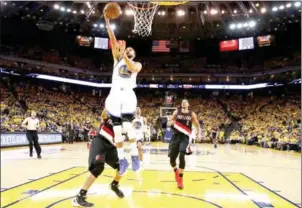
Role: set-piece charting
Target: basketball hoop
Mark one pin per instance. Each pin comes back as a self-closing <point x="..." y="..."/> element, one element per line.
<point x="143" y="13"/>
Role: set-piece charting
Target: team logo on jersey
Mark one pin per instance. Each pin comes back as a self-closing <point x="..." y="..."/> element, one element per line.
<point x="137" y="125"/>
<point x="124" y="72"/>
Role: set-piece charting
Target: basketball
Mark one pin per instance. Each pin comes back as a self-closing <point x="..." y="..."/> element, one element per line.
<point x="113" y="10"/>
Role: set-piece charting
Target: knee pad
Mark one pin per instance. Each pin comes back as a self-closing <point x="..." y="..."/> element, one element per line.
<point x="173" y="162"/>
<point x="97" y="169"/>
<point x="182" y="162"/>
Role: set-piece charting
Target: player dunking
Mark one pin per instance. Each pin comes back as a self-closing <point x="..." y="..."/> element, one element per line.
<point x="181" y="121"/>
<point x="121" y="101"/>
<point x="102" y="150"/>
<point x="139" y="125"/>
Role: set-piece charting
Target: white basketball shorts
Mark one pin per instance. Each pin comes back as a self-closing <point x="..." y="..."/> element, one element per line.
<point x="121" y="101"/>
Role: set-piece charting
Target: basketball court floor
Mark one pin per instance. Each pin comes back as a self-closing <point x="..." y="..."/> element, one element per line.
<point x="234" y="176"/>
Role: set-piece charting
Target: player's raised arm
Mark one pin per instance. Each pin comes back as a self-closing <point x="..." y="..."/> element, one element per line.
<point x="117" y="50"/>
<point x="196" y="124"/>
<point x="172" y="119"/>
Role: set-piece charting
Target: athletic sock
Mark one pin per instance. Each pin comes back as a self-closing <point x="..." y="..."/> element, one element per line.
<point x="82" y="192"/>
<point x="181" y="175"/>
<point x="121" y="153"/>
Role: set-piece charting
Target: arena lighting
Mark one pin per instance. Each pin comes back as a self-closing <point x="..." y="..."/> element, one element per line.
<point x="213" y="11"/>
<point x="250" y="11"/>
<point x="71" y="81"/>
<point x="222" y="11"/>
<point x="62" y="9"/>
<point x="245" y="25"/>
<point x="95" y="25"/>
<point x="232" y="26"/>
<point x="74" y="11"/>
<point x="297" y="4"/>
<point x="252" y="24"/>
<point x="180" y="13"/>
<point x="82" y="12"/>
<point x="235" y="11"/>
<point x="205" y="11"/>
<point x="257" y="4"/>
<point x="263" y="10"/>
<point x="102" y="25"/>
<point x="281" y="7"/>
<point x="239" y="25"/>
<point x="236" y="87"/>
<point x="56" y="6"/>
<point x="68" y="10"/>
<point x="275" y="9"/>
<point x="288" y="5"/>
<point x="112" y="26"/>
<point x="107" y="85"/>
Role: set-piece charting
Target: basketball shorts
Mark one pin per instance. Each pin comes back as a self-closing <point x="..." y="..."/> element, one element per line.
<point x="121" y="101"/>
<point x="178" y="143"/>
<point x="102" y="151"/>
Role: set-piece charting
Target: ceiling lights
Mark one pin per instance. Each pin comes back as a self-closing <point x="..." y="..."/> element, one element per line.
<point x="250" y="24"/>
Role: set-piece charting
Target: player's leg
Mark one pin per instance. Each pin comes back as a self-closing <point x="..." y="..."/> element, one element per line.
<point x="37" y="146"/>
<point x="30" y="143"/>
<point x="173" y="154"/>
<point x="97" y="155"/>
<point x="183" y="147"/>
<point x="140" y="150"/>
<point x="127" y="111"/>
<point x="113" y="161"/>
<point x="113" y="106"/>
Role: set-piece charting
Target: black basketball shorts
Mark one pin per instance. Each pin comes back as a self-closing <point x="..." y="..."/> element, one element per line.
<point x="102" y="151"/>
<point x="178" y="143"/>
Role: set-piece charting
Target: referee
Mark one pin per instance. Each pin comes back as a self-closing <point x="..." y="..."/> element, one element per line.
<point x="32" y="124"/>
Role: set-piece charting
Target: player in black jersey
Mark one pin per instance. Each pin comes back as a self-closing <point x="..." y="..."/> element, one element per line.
<point x="102" y="150"/>
<point x="181" y="121"/>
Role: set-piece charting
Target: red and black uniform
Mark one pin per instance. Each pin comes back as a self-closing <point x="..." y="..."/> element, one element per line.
<point x="102" y="148"/>
<point x="182" y="129"/>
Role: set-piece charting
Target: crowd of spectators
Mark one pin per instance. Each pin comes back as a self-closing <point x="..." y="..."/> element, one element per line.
<point x="159" y="64"/>
<point x="265" y="121"/>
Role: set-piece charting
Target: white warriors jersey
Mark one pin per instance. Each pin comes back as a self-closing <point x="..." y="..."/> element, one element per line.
<point x="122" y="76"/>
<point x="138" y="124"/>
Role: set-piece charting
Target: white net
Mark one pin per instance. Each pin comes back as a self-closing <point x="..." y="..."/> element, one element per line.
<point x="143" y="13"/>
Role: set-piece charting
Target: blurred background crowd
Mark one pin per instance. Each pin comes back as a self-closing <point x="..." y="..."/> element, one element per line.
<point x="270" y="119"/>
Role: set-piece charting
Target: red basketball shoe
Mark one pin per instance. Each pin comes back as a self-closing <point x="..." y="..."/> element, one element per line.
<point x="180" y="183"/>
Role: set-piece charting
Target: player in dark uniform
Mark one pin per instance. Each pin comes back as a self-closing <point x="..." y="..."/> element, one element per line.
<point x="102" y="150"/>
<point x="181" y="121"/>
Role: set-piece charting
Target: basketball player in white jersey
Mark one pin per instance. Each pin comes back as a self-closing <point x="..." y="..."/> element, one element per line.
<point x="139" y="125"/>
<point x="121" y="101"/>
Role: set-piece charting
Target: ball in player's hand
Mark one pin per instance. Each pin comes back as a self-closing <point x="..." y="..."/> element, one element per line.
<point x="112" y="10"/>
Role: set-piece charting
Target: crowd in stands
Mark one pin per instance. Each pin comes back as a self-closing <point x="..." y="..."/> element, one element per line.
<point x="267" y="121"/>
<point x="159" y="64"/>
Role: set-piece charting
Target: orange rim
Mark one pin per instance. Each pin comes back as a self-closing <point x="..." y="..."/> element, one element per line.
<point x="141" y="8"/>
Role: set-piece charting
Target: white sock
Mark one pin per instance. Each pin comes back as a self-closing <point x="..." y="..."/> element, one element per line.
<point x="121" y="153"/>
<point x="133" y="149"/>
